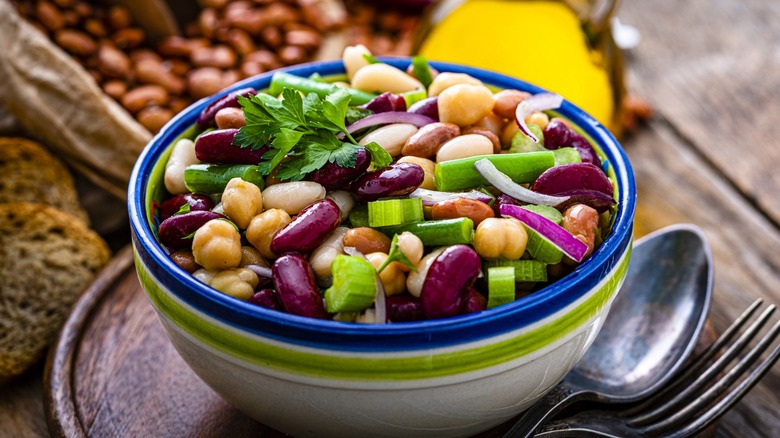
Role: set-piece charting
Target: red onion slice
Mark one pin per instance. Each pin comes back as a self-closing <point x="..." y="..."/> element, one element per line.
<point x="556" y="234"/>
<point x="261" y="271"/>
<point x="537" y="102"/>
<point x="390" y="117"/>
<point x="505" y="184"/>
<point x="430" y="197"/>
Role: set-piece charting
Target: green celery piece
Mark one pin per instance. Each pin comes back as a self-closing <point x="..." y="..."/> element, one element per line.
<point x="282" y="80"/>
<point x="211" y="179"/>
<point x="546" y="211"/>
<point x="387" y="212"/>
<point x="566" y="156"/>
<point x="525" y="270"/>
<point x="542" y="249"/>
<point x="354" y="285"/>
<point x="358" y="217"/>
<point x="521" y="143"/>
<point x="501" y="285"/>
<point x="414" y="96"/>
<point x="422" y="70"/>
<point x="461" y="174"/>
<point x="437" y="232"/>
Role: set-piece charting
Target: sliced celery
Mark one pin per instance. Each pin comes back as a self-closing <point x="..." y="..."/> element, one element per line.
<point x="546" y="211"/>
<point x="566" y="156"/>
<point x="358" y="217"/>
<point x="461" y="174"/>
<point x="542" y="249"/>
<point x="525" y="270"/>
<point x="212" y="178"/>
<point x="521" y="143"/>
<point x="414" y="96"/>
<point x="501" y="285"/>
<point x="354" y="285"/>
<point x="438" y="232"/>
<point x="387" y="212"/>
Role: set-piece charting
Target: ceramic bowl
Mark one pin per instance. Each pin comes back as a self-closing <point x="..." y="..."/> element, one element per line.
<point x="444" y="378"/>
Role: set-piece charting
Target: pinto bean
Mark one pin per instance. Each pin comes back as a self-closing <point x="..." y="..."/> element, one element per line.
<point x="428" y="139"/>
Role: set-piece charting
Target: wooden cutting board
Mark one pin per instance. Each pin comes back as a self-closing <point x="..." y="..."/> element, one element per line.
<point x="113" y="372"/>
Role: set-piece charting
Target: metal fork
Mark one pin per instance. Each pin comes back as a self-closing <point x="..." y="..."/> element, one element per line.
<point x="695" y="399"/>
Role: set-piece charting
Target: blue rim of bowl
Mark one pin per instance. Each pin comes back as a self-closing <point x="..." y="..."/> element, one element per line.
<point x="328" y="334"/>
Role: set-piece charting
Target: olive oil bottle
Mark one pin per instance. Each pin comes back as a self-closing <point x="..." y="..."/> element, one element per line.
<point x="562" y="46"/>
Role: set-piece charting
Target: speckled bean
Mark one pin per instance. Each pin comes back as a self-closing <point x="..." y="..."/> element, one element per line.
<point x="427" y="140"/>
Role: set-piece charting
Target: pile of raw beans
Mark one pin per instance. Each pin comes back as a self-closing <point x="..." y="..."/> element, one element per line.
<point x="435" y="198"/>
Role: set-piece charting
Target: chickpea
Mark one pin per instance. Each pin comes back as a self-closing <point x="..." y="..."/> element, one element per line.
<point x="242" y="201"/>
<point x="500" y="238"/>
<point x="411" y="246"/>
<point x="582" y="221"/>
<point x="262" y="228"/>
<point x="321" y="258"/>
<point x="250" y="256"/>
<point x="538" y="118"/>
<point x="393" y="277"/>
<point x="238" y="283"/>
<point x="465" y="104"/>
<point x="445" y="80"/>
<point x="428" y="167"/>
<point x="415" y="281"/>
<point x="217" y="245"/>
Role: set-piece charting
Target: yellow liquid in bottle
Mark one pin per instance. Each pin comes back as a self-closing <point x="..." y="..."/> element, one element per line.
<point x="540" y="42"/>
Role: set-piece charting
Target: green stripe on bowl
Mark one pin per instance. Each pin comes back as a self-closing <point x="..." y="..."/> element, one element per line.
<point x="374" y="367"/>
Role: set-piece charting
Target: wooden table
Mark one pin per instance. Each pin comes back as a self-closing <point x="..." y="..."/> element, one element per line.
<point x="711" y="70"/>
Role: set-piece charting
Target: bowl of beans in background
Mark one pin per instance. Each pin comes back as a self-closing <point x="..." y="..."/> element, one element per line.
<point x="246" y="322"/>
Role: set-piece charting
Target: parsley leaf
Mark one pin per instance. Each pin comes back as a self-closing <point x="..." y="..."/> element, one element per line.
<point x="395" y="255"/>
<point x="302" y="133"/>
<point x="185" y="208"/>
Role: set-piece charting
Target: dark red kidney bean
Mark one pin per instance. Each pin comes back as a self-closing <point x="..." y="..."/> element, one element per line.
<point x="394" y="180"/>
<point x="583" y="146"/>
<point x="216" y="147"/>
<point x="295" y="285"/>
<point x="501" y="200"/>
<point x="309" y="228"/>
<point x="558" y="135"/>
<point x="206" y="117"/>
<point x="333" y="177"/>
<point x="427" y="107"/>
<point x="475" y="302"/>
<point x="402" y="308"/>
<point x="449" y="279"/>
<point x="173" y="204"/>
<point x="267" y="298"/>
<point x="573" y="177"/>
<point x="172" y="231"/>
<point x="385" y="102"/>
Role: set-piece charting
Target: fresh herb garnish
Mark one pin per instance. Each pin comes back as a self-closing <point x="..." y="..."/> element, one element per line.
<point x="185" y="208"/>
<point x="304" y="130"/>
<point x="395" y="255"/>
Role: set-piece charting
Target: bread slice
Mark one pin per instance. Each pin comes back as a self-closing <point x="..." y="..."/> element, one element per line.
<point x="29" y="173"/>
<point x="47" y="258"/>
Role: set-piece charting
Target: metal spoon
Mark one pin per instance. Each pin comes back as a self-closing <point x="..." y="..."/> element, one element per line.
<point x="651" y="330"/>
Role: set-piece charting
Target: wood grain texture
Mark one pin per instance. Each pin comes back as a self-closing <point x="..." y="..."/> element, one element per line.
<point x="713" y="69"/>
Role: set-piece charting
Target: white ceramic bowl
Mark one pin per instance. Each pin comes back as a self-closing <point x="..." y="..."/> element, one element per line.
<point x="441" y="378"/>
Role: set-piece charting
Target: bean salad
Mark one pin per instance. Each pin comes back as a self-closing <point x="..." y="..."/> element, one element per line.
<point x="390" y="196"/>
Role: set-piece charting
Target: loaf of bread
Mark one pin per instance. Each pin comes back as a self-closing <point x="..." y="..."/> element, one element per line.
<point x="47" y="258"/>
<point x="31" y="174"/>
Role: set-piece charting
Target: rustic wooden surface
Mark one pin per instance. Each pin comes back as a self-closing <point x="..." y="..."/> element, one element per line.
<point x="711" y="69"/>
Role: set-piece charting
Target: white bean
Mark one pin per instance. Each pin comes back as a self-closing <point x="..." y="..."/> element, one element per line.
<point x="322" y="257"/>
<point x="182" y="155"/>
<point x="354" y="60"/>
<point x="344" y="200"/>
<point x="465" y="104"/>
<point x="384" y="77"/>
<point x="445" y="80"/>
<point x="467" y="145"/>
<point x="292" y="197"/>
<point x="391" y="137"/>
<point x="415" y="280"/>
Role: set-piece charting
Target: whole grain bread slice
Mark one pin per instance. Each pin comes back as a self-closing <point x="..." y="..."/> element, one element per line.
<point x="29" y="173"/>
<point x="47" y="258"/>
